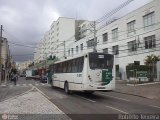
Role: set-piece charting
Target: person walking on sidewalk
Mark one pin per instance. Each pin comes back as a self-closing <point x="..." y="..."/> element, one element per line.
<point x="14" y="76"/>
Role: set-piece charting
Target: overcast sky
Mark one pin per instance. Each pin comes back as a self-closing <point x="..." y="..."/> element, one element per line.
<point x="26" y="21"/>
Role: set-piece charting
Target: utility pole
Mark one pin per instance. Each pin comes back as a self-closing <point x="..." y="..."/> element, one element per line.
<point x="0" y="53"/>
<point x="95" y="42"/>
<point x="64" y="43"/>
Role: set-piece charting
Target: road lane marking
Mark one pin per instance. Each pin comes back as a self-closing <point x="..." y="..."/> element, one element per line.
<point x="154" y="106"/>
<point x="30" y="84"/>
<point x="114" y="97"/>
<point x="117" y="109"/>
<point x="85" y="98"/>
<point x="42" y="92"/>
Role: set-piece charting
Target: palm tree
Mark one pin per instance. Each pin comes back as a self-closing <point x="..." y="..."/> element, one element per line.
<point x="151" y="61"/>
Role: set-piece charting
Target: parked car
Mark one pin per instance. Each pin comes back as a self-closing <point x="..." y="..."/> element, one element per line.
<point x="43" y="79"/>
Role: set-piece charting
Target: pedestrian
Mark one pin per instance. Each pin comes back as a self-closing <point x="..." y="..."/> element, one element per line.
<point x="14" y="76"/>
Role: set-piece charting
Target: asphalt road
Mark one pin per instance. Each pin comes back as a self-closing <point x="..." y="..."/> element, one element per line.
<point x="79" y="105"/>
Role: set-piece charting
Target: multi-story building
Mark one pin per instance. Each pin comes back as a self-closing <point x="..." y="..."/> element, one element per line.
<point x="62" y="33"/>
<point x="43" y="49"/>
<point x="24" y="65"/>
<point x="130" y="38"/>
<point x="5" y="59"/>
<point x="85" y="28"/>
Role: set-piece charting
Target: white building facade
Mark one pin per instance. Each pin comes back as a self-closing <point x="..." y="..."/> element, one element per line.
<point x="24" y="65"/>
<point x="5" y="60"/>
<point x="62" y="33"/>
<point x="130" y="38"/>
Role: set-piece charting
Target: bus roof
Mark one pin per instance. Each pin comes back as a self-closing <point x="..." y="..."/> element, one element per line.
<point x="79" y="56"/>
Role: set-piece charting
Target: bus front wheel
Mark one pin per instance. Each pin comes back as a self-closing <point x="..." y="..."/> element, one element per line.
<point x="66" y="88"/>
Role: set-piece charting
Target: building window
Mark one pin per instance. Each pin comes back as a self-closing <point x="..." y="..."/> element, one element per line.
<point x="115" y="50"/>
<point x="72" y="51"/>
<point x="150" y="42"/>
<point x="91" y="43"/>
<point x="76" y="49"/>
<point x="105" y="50"/>
<point x="132" y="46"/>
<point x="149" y="20"/>
<point x="81" y="46"/>
<point x="131" y="28"/>
<point x="115" y="34"/>
<point x="105" y="37"/>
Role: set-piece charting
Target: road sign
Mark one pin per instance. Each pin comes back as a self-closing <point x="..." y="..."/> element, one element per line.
<point x="142" y="74"/>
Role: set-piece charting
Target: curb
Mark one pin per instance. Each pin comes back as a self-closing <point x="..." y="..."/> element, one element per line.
<point x="143" y="84"/>
<point x="134" y="95"/>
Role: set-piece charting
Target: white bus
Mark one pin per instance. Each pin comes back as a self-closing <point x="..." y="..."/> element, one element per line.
<point x="89" y="72"/>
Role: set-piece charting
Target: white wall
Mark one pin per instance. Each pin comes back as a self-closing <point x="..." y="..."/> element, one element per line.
<point x="125" y="57"/>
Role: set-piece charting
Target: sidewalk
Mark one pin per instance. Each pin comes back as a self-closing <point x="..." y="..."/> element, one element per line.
<point x="31" y="105"/>
<point x="151" y="91"/>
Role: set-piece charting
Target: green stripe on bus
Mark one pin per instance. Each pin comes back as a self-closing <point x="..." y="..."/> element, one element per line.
<point x="106" y="76"/>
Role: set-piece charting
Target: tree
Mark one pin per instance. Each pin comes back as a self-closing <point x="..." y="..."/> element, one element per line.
<point x="51" y="57"/>
<point x="151" y="61"/>
<point x="30" y="65"/>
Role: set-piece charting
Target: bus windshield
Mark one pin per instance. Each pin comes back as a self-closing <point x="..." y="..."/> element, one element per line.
<point x="100" y="61"/>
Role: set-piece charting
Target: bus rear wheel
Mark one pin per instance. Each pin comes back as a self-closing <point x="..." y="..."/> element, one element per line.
<point x="66" y="88"/>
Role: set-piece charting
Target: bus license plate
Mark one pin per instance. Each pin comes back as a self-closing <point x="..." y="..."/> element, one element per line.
<point x="100" y="87"/>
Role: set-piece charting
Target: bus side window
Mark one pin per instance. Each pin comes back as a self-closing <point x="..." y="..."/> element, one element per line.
<point x="73" y="66"/>
<point x="69" y="66"/>
<point x="66" y="63"/>
<point x="64" y="67"/>
<point x="78" y="65"/>
<point x="57" y="68"/>
<point x="81" y="62"/>
<point x="61" y="68"/>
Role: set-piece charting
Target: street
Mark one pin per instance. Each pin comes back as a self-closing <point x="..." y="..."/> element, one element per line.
<point x="78" y="104"/>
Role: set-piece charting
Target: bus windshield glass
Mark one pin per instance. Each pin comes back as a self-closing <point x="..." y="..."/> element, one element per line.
<point x="100" y="61"/>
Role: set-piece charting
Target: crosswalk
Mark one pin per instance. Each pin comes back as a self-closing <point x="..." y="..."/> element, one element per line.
<point x="27" y="85"/>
